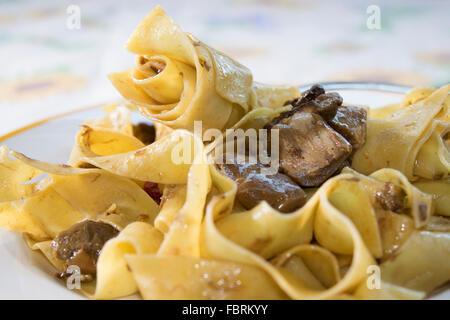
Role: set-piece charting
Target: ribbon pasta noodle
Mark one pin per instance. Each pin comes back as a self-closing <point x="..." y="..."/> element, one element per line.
<point x="178" y="79"/>
<point x="415" y="133"/>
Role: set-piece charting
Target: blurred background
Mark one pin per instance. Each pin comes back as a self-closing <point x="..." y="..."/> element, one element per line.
<point x="50" y="63"/>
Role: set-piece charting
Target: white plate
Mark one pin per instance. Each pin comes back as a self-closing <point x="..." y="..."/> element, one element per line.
<point x="28" y="275"/>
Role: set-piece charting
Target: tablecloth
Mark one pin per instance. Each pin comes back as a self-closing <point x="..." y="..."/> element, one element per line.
<point x="48" y="66"/>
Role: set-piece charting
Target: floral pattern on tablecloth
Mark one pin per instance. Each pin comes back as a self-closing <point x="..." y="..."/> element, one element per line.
<point x="46" y="68"/>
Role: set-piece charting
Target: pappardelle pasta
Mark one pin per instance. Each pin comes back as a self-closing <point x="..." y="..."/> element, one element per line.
<point x="334" y="202"/>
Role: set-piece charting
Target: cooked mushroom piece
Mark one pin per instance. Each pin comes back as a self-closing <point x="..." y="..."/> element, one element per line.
<point x="81" y="244"/>
<point x="309" y="95"/>
<point x="310" y="150"/>
<point x="280" y="191"/>
<point x="315" y="100"/>
<point x="351" y="123"/>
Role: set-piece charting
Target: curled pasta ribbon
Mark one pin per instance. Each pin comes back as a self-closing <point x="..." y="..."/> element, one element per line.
<point x="183" y="236"/>
<point x="295" y="277"/>
<point x="440" y="191"/>
<point x="343" y="219"/>
<point x="167" y="160"/>
<point x="112" y="134"/>
<point x="231" y="258"/>
<point x="97" y="141"/>
<point x="427" y="273"/>
<point x="279" y="245"/>
<point x="15" y="175"/>
<point x="419" y="204"/>
<point x="411" y="137"/>
<point x="170" y="275"/>
<point x="70" y="195"/>
<point x="118" y="118"/>
<point x="255" y="119"/>
<point x="160" y="78"/>
<point x="181" y="277"/>
<point x="114" y="279"/>
<point x="176" y="159"/>
<point x="177" y="79"/>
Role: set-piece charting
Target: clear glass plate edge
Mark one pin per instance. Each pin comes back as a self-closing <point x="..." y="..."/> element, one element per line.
<point x="376" y="86"/>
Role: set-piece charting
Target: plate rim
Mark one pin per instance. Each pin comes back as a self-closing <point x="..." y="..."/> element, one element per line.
<point x="360" y="85"/>
<point x="45" y="120"/>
